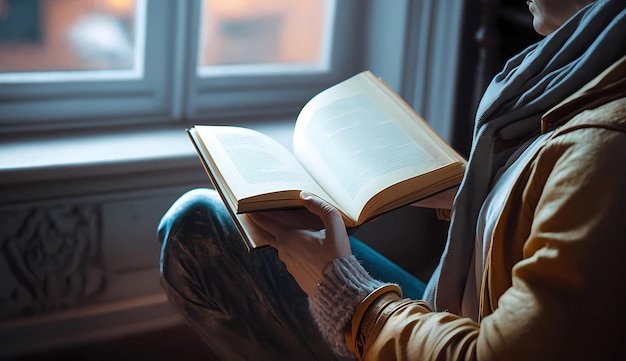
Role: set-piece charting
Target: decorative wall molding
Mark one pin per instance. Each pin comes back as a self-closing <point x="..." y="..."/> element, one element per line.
<point x="50" y="258"/>
<point x="78" y="252"/>
<point x="82" y="268"/>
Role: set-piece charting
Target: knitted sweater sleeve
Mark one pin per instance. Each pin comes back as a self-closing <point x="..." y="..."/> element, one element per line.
<point x="344" y="284"/>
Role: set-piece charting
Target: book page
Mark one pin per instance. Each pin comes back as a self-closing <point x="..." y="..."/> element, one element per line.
<point x="253" y="164"/>
<point x="353" y="136"/>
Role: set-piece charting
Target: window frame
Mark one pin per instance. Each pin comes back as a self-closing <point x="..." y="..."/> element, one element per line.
<point x="169" y="90"/>
<point x="33" y="106"/>
<point x="218" y="97"/>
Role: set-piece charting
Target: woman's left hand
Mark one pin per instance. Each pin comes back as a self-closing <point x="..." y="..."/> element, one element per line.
<point x="306" y="251"/>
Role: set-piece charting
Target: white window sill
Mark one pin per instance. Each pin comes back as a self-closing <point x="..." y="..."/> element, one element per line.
<point x="112" y="153"/>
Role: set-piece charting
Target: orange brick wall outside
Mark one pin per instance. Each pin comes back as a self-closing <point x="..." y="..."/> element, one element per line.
<point x="291" y="33"/>
<point x="54" y="51"/>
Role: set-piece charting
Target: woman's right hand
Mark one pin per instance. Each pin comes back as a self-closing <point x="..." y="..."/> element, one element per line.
<point x="306" y="251"/>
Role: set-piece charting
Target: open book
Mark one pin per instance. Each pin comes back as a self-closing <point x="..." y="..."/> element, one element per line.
<point x="357" y="145"/>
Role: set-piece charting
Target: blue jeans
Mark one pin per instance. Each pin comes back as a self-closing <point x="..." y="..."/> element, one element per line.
<point x="245" y="306"/>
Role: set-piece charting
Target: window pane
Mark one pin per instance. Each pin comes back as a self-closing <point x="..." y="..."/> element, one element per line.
<point x="54" y="36"/>
<point x="261" y="35"/>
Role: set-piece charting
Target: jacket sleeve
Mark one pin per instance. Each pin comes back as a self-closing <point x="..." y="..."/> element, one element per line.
<point x="566" y="295"/>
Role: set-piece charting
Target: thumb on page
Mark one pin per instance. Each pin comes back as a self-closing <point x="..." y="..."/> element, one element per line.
<point x="336" y="238"/>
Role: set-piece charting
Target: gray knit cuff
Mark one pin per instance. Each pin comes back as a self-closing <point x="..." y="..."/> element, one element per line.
<point x="344" y="284"/>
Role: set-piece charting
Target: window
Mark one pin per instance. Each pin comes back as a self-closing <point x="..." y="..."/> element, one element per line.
<point x="83" y="63"/>
<point x="257" y="57"/>
<point x="43" y="41"/>
<point x="266" y="36"/>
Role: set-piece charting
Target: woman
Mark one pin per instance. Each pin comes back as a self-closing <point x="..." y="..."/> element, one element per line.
<point x="532" y="269"/>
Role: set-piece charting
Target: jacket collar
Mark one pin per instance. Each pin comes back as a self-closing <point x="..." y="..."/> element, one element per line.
<point x="606" y="87"/>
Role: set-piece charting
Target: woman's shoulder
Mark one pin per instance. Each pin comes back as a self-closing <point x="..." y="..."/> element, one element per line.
<point x="609" y="116"/>
<point x="591" y="144"/>
<point x="585" y="155"/>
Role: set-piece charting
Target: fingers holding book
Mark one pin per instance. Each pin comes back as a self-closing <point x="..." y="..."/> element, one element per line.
<point x="306" y="251"/>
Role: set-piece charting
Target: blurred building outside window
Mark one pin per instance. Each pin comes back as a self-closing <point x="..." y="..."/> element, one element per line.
<point x="257" y="36"/>
<point x="56" y="40"/>
<point x="60" y="40"/>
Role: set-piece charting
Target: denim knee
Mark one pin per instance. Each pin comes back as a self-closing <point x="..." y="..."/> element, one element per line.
<point x="193" y="226"/>
<point x="196" y="205"/>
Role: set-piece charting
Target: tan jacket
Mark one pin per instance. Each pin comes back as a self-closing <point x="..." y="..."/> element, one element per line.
<point x="554" y="286"/>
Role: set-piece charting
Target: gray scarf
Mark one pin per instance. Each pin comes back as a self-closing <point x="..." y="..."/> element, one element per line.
<point x="531" y="83"/>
